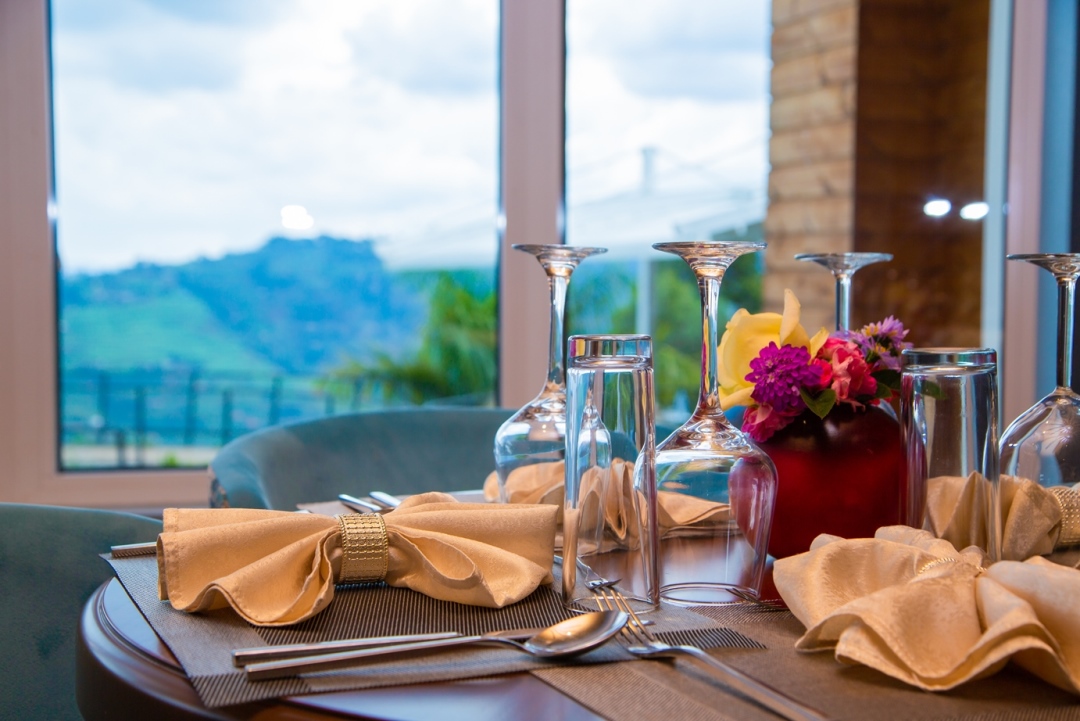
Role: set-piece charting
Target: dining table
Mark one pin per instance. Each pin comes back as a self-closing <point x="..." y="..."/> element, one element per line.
<point x="125" y="669"/>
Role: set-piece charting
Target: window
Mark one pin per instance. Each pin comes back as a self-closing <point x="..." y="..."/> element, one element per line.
<point x="530" y="157"/>
<point x="667" y="114"/>
<point x="268" y="213"/>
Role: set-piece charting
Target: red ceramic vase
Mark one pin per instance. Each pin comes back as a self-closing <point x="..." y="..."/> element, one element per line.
<point x="840" y="475"/>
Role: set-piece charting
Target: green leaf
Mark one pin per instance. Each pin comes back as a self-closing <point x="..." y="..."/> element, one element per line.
<point x="932" y="389"/>
<point x="888" y="377"/>
<point x="883" y="392"/>
<point x="822" y="404"/>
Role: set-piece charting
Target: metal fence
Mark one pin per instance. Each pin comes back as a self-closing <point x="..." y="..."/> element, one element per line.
<point x="135" y="410"/>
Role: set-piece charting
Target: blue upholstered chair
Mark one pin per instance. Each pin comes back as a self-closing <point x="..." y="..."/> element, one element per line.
<point x="49" y="566"/>
<point x="399" y="451"/>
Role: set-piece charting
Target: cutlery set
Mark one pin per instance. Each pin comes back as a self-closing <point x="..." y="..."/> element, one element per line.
<point x="576" y="635"/>
<point x="567" y="638"/>
<point x="376" y="502"/>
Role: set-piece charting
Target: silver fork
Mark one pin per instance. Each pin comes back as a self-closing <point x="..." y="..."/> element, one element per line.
<point x="643" y="643"/>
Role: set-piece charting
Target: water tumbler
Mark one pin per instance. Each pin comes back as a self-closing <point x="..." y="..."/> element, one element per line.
<point x="949" y="415"/>
<point x="609" y="513"/>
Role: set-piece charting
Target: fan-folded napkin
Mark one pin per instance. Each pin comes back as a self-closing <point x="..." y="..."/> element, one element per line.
<point x="915" y="608"/>
<point x="611" y="488"/>
<point x="1035" y="520"/>
<point x="277" y="568"/>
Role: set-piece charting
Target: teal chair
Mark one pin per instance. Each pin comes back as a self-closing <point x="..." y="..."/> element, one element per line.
<point x="49" y="566"/>
<point x="399" y="451"/>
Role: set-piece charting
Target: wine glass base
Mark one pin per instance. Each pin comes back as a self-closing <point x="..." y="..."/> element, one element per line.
<point x="706" y="434"/>
<point x="706" y="594"/>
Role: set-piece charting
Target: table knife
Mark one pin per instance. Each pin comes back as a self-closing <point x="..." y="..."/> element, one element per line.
<point x="244" y="656"/>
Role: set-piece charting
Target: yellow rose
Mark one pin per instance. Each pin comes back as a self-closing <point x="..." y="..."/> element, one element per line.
<point x="746" y="335"/>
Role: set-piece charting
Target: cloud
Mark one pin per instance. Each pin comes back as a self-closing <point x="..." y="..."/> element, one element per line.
<point x="182" y="132"/>
<point x="426" y="47"/>
<point x="137" y="45"/>
<point x="711" y="51"/>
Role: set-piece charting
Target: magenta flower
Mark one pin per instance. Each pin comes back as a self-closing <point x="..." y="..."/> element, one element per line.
<point x="779" y="373"/>
<point x="761" y="422"/>
<point x="844" y="369"/>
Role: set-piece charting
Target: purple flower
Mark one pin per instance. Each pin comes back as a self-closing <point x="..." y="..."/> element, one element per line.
<point x="778" y="374"/>
<point x="882" y="343"/>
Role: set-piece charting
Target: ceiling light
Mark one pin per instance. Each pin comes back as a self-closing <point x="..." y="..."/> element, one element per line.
<point x="937" y="207"/>
<point x="974" y="211"/>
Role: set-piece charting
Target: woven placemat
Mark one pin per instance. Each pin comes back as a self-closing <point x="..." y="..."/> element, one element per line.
<point x="665" y="690"/>
<point x="203" y="643"/>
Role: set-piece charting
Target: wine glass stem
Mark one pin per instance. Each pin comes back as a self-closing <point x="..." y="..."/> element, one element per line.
<point x="710" y="305"/>
<point x="843" y="300"/>
<point x="556" y="349"/>
<point x="1066" y="298"/>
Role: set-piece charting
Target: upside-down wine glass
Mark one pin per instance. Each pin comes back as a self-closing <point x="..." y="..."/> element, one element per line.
<point x="1043" y="443"/>
<point x="843" y="266"/>
<point x="537" y="433"/>
<point x="716" y="488"/>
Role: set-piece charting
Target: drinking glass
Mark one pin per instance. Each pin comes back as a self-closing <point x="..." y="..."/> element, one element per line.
<point x="1043" y="443"/>
<point x="949" y="415"/>
<point x="843" y="266"/>
<point x="609" y="510"/>
<point x="716" y="488"/>
<point x="537" y="432"/>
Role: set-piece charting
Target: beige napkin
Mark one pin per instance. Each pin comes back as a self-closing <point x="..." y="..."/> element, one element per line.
<point x="915" y="608"/>
<point x="1035" y="521"/>
<point x="277" y="568"/>
<point x="545" y="482"/>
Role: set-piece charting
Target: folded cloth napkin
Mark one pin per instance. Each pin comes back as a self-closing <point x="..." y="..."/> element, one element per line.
<point x="277" y="568"/>
<point x="913" y="607"/>
<point x="545" y="483"/>
<point x="1035" y="521"/>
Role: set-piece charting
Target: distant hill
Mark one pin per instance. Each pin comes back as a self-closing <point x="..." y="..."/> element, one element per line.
<point x="294" y="306"/>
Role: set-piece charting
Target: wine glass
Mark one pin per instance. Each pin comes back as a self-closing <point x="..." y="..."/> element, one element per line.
<point x="843" y="267"/>
<point x="1043" y="443"/>
<point x="716" y="490"/>
<point x="536" y="434"/>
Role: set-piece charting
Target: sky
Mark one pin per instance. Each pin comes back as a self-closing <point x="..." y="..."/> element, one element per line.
<point x="183" y="128"/>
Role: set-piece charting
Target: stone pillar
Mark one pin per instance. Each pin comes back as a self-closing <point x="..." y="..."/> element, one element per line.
<point x="812" y="149"/>
<point x="878" y="106"/>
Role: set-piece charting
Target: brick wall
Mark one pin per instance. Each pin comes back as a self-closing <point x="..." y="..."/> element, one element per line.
<point x="877" y="106"/>
<point x="812" y="150"/>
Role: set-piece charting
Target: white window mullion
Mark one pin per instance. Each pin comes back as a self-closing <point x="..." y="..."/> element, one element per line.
<point x="533" y="55"/>
<point x="28" y="388"/>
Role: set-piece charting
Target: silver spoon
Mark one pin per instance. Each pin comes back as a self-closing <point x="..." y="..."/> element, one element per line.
<point x="566" y="638"/>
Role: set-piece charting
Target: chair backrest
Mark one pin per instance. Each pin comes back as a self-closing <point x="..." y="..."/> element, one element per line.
<point x="49" y="566"/>
<point x="398" y="451"/>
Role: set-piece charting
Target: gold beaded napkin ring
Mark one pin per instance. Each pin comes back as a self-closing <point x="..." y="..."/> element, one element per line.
<point x="1069" y="500"/>
<point x="365" y="548"/>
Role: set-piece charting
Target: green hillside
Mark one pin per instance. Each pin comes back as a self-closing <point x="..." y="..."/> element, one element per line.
<point x="301" y="307"/>
<point x="172" y="329"/>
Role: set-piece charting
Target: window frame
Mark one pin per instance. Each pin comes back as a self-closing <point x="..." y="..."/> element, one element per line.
<point x="530" y="196"/>
<point x="532" y="49"/>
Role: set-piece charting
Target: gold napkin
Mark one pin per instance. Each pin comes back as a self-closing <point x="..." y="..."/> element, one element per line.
<point x="545" y="483"/>
<point x="277" y="568"/>
<point x="1035" y="521"/>
<point x="913" y="607"/>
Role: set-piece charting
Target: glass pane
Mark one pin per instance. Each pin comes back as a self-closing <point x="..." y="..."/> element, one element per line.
<point x="667" y="135"/>
<point x="269" y="211"/>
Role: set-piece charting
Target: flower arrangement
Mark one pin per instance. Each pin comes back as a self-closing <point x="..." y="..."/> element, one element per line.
<point x="769" y="363"/>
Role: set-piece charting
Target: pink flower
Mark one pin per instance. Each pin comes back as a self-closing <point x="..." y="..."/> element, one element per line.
<point x="845" y="370"/>
<point x="761" y="422"/>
